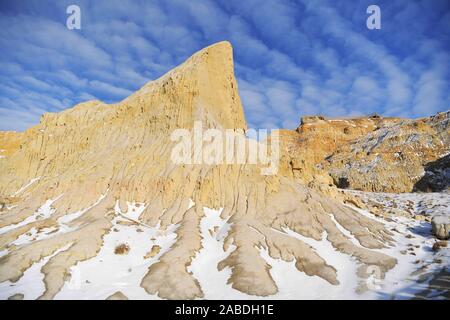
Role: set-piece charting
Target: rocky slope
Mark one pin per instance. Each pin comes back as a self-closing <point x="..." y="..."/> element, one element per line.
<point x="370" y="153"/>
<point x="69" y="184"/>
<point x="436" y="177"/>
<point x="9" y="141"/>
<point x="392" y="158"/>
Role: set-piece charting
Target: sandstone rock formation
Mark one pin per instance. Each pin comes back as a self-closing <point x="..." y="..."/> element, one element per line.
<point x="9" y="141"/>
<point x="317" y="138"/>
<point x="63" y="179"/>
<point x="392" y="158"/>
<point x="370" y="153"/>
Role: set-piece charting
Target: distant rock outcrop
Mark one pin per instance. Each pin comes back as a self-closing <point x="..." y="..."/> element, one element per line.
<point x="370" y="153"/>
<point x="394" y="157"/>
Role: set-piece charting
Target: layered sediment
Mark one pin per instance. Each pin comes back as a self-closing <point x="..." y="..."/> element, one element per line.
<point x="91" y="159"/>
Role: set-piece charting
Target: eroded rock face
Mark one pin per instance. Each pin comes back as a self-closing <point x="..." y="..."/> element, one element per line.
<point x="96" y="156"/>
<point x="9" y="142"/>
<point x="370" y="153"/>
<point x="317" y="139"/>
<point x="436" y="177"/>
<point x="392" y="158"/>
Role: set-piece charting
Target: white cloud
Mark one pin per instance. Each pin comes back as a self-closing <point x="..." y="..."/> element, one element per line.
<point x="98" y="86"/>
<point x="292" y="58"/>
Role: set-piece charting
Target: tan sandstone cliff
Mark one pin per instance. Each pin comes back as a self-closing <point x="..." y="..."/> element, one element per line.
<point x="122" y="151"/>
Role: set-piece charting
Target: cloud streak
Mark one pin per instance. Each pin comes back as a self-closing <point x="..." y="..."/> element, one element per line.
<point x="292" y="57"/>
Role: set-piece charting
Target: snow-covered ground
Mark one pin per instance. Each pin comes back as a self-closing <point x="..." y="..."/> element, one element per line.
<point x="416" y="260"/>
<point x="31" y="284"/>
<point x="293" y="284"/>
<point x="213" y="282"/>
<point x="427" y="204"/>
<point x="419" y="266"/>
<point x="43" y="212"/>
<point x="108" y="272"/>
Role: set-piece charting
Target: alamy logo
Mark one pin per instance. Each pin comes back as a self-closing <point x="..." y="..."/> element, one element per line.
<point x="230" y="146"/>
<point x="74" y="20"/>
<point x="374" y="20"/>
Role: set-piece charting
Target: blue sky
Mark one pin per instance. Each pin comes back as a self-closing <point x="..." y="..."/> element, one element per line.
<point x="292" y="58"/>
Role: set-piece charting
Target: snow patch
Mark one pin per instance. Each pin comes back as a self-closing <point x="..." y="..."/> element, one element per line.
<point x="42" y="213"/>
<point x="293" y="284"/>
<point x="213" y="282"/>
<point x="31" y="284"/>
<point x="25" y="186"/>
<point x="103" y="275"/>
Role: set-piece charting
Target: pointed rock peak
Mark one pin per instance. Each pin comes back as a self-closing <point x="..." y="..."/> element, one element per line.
<point x="203" y="88"/>
<point x="221" y="51"/>
<point x="219" y="54"/>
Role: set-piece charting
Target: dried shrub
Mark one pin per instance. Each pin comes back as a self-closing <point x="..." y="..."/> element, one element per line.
<point x="122" y="249"/>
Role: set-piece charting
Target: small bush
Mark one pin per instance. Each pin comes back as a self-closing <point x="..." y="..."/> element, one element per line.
<point x="122" y="249"/>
